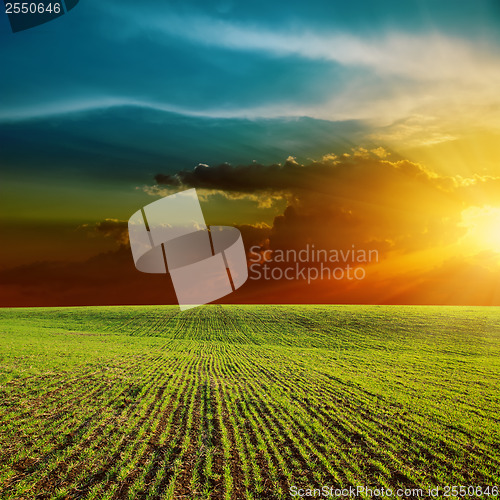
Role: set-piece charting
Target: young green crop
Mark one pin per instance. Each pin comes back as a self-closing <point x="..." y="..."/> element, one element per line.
<point x="237" y="402"/>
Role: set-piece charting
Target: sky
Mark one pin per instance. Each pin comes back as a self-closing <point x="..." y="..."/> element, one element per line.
<point x="368" y="124"/>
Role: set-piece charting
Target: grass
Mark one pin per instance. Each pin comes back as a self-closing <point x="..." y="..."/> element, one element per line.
<point x="246" y="401"/>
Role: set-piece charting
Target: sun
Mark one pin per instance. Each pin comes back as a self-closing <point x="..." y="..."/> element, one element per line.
<point x="483" y="227"/>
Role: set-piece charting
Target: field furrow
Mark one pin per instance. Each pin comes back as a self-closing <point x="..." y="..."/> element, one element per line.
<point x="246" y="402"/>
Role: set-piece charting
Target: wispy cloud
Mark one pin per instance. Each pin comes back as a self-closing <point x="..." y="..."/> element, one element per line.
<point x="383" y="76"/>
<point x="388" y="76"/>
<point x="423" y="57"/>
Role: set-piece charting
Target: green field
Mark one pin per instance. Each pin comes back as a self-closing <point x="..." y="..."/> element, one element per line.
<point x="246" y="401"/>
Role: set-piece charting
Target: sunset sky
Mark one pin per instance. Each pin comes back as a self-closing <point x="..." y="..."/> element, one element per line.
<point x="365" y="123"/>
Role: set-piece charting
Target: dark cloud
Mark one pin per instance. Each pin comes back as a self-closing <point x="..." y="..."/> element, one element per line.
<point x="113" y="228"/>
<point x="116" y="230"/>
<point x="361" y="198"/>
<point x="242" y="179"/>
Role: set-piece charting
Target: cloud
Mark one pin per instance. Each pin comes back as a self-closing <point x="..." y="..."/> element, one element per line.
<point x="362" y="199"/>
<point x="329" y="223"/>
<point x="384" y="74"/>
<point x="244" y="179"/>
<point x="109" y="228"/>
<point x="427" y="56"/>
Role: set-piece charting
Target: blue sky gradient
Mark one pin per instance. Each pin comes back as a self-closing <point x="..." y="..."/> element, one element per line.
<point x="235" y="58"/>
<point x="163" y="86"/>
